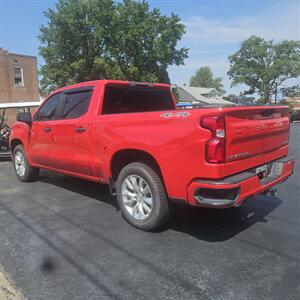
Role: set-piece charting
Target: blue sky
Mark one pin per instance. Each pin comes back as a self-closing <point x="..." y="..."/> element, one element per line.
<point x="214" y="29"/>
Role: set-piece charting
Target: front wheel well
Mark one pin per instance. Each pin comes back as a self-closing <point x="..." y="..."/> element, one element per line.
<point x="124" y="157"/>
<point x="14" y="143"/>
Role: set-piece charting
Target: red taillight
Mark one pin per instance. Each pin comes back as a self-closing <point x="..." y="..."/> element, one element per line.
<point x="215" y="146"/>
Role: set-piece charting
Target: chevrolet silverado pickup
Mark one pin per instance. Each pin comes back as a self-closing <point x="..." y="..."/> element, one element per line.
<point x="130" y="136"/>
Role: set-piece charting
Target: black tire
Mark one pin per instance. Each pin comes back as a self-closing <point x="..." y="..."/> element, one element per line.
<point x="30" y="173"/>
<point x="160" y="212"/>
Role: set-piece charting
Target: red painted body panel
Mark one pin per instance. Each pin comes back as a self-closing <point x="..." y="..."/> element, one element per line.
<point x="251" y="134"/>
<point x="40" y="145"/>
<point x="176" y="142"/>
<point x="71" y="152"/>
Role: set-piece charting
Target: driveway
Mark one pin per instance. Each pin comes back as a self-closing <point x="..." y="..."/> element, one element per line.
<point x="64" y="238"/>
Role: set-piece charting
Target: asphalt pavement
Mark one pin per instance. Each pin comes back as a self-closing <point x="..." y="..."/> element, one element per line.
<point x="64" y="238"/>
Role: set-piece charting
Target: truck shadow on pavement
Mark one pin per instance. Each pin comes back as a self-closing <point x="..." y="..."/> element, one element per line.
<point x="86" y="188"/>
<point x="217" y="225"/>
<point x="211" y="225"/>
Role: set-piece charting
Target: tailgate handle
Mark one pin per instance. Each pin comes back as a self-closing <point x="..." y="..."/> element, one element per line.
<point x="47" y="129"/>
<point x="267" y="112"/>
<point x="80" y="129"/>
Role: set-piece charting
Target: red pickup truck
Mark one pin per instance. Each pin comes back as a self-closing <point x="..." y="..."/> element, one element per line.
<point x="130" y="136"/>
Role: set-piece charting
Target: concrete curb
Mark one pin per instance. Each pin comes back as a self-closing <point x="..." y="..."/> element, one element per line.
<point x="7" y="289"/>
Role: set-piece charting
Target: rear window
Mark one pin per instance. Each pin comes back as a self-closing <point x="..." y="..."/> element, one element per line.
<point x="76" y="104"/>
<point x="129" y="99"/>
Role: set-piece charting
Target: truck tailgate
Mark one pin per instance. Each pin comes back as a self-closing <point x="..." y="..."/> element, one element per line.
<point x="255" y="131"/>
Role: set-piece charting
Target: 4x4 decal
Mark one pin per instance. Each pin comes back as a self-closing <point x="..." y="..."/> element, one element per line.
<point x="181" y="114"/>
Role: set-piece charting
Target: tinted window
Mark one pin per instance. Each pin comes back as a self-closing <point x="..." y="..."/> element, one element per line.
<point x="48" y="110"/>
<point x="76" y="104"/>
<point x="128" y="99"/>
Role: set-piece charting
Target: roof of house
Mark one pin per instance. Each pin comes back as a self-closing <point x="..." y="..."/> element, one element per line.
<point x="200" y="90"/>
<point x="196" y="94"/>
<point x="185" y="96"/>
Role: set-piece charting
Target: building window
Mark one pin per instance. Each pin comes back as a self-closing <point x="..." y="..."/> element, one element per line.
<point x="18" y="76"/>
<point x="212" y="95"/>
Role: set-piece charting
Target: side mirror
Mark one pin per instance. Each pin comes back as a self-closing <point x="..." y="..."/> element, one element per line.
<point x="24" y="117"/>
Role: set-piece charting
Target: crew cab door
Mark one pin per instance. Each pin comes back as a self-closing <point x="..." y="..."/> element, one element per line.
<point x="41" y="133"/>
<point x="71" y="132"/>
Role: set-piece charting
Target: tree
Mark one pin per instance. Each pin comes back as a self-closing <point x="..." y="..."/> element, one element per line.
<point x="292" y="91"/>
<point x="264" y="65"/>
<point x="97" y="39"/>
<point x="240" y="99"/>
<point x="204" y="78"/>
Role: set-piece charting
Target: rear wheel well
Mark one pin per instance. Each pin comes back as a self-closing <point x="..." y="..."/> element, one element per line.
<point x="124" y="157"/>
<point x="14" y="143"/>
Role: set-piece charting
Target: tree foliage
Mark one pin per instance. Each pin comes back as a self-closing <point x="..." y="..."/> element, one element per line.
<point x="205" y="78"/>
<point x="240" y="99"/>
<point x="97" y="39"/>
<point x="264" y="65"/>
<point x="292" y="91"/>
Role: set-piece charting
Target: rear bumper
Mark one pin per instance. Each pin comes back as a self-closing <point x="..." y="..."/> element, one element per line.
<point x="233" y="190"/>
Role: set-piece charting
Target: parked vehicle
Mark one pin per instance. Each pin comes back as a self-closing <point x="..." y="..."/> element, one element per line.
<point x="4" y="126"/>
<point x="295" y="114"/>
<point x="131" y="137"/>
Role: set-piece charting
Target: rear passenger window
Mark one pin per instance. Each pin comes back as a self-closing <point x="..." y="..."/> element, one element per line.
<point x="132" y="99"/>
<point x="76" y="104"/>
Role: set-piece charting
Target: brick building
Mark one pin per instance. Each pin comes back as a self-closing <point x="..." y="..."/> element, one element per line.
<point x="18" y="79"/>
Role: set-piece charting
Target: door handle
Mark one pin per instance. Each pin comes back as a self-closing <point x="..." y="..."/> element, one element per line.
<point x="47" y="129"/>
<point x="80" y="129"/>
